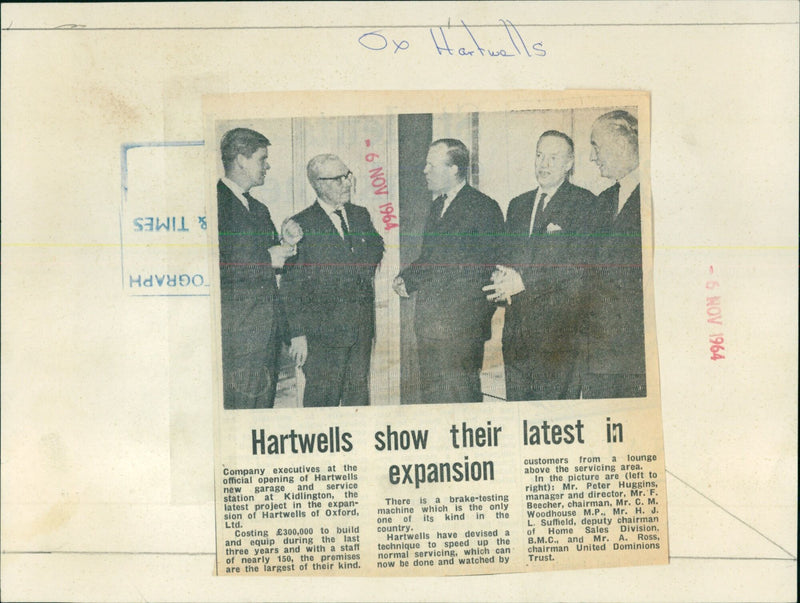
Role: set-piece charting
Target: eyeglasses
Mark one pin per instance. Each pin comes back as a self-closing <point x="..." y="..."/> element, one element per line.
<point x="339" y="179"/>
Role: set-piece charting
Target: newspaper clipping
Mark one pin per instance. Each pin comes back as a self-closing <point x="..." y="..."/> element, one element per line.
<point x="434" y="333"/>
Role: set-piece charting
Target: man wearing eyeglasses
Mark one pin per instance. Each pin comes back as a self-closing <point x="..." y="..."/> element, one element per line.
<point x="329" y="292"/>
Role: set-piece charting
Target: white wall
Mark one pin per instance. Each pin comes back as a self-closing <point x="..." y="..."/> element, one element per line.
<point x="507" y="147"/>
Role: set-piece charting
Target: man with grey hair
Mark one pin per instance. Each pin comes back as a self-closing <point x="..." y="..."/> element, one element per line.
<point x="250" y="251"/>
<point x="615" y="325"/>
<point x="329" y="291"/>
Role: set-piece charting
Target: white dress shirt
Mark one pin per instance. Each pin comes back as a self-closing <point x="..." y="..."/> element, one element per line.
<point x="627" y="184"/>
<point x="539" y="195"/>
<point x="329" y="209"/>
<point x="236" y="190"/>
<point x="451" y="194"/>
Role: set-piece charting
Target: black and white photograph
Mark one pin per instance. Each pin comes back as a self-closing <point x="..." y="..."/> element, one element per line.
<point x="498" y="255"/>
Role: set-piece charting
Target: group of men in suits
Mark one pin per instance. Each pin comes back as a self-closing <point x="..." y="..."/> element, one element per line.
<point x="567" y="266"/>
<point x="324" y="308"/>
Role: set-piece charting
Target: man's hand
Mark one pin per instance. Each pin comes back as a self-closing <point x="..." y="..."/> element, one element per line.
<point x="279" y="253"/>
<point x="399" y="286"/>
<point x="291" y="232"/>
<point x="298" y="350"/>
<point x="505" y="283"/>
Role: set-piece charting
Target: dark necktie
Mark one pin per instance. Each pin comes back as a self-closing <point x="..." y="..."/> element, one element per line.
<point x="613" y="209"/>
<point x="444" y="206"/>
<point x="268" y="227"/>
<point x="615" y="205"/>
<point x="251" y="201"/>
<point x="539" y="217"/>
<point x="345" y="230"/>
<point x="438" y="206"/>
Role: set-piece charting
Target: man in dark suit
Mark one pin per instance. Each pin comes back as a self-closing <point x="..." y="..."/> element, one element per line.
<point x="459" y="249"/>
<point x="541" y="278"/>
<point x="249" y="253"/>
<point x="329" y="290"/>
<point x="616" y="353"/>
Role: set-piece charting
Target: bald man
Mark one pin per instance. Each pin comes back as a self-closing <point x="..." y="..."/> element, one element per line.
<point x="542" y="280"/>
<point x="328" y="289"/>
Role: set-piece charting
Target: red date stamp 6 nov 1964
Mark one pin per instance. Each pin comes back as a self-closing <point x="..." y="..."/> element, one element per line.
<point x="716" y="341"/>
<point x="379" y="187"/>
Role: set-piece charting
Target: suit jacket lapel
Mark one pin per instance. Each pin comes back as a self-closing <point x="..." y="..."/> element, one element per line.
<point x="551" y="205"/>
<point x="555" y="205"/>
<point x="524" y="222"/>
<point x="231" y="201"/>
<point x="631" y="202"/>
<point x="326" y="224"/>
<point x="237" y="211"/>
<point x="452" y="208"/>
<point x="629" y="217"/>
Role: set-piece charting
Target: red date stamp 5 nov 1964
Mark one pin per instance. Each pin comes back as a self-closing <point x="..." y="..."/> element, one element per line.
<point x="716" y="341"/>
